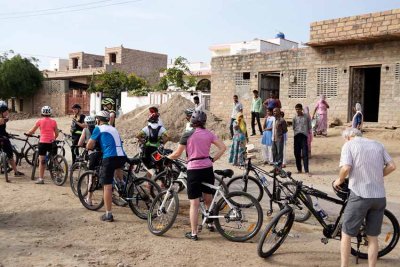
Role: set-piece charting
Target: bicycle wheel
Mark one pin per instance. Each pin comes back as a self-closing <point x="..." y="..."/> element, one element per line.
<point x="387" y="240"/>
<point x="164" y="179"/>
<point x="76" y="170"/>
<point x="163" y="212"/>
<point x="29" y="154"/>
<point x="35" y="163"/>
<point x="4" y="165"/>
<point x="249" y="185"/>
<point x="141" y="194"/>
<point x="242" y="216"/>
<point x="89" y="187"/>
<point x="224" y="187"/>
<point x="301" y="213"/>
<point x="275" y="232"/>
<point x="58" y="170"/>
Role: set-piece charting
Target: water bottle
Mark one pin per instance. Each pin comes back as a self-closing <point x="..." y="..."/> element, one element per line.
<point x="320" y="211"/>
<point x="265" y="181"/>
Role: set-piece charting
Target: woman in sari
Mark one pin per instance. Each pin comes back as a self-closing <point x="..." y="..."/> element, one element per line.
<point x="239" y="141"/>
<point x="322" y="108"/>
<point x="357" y="118"/>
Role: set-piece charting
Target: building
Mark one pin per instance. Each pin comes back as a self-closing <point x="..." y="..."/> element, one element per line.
<point x="349" y="60"/>
<point x="66" y="81"/>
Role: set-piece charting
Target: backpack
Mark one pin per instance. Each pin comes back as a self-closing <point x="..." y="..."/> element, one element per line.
<point x="153" y="135"/>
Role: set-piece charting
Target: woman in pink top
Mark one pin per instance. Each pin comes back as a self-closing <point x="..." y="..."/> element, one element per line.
<point x="322" y="109"/>
<point x="48" y="133"/>
<point x="197" y="143"/>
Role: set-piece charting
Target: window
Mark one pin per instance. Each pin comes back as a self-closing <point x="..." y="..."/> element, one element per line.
<point x="246" y="75"/>
<point x="242" y="84"/>
<point x="113" y="57"/>
<point x="328" y="51"/>
<point x="75" y="62"/>
<point x="21" y="105"/>
<point x="396" y="91"/>
<point x="98" y="63"/>
<point x="297" y="83"/>
<point x="327" y="82"/>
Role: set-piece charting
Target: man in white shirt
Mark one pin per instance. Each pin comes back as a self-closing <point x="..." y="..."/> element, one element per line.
<point x="197" y="105"/>
<point x="237" y="107"/>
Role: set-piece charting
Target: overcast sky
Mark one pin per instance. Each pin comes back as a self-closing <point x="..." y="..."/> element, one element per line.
<point x="175" y="27"/>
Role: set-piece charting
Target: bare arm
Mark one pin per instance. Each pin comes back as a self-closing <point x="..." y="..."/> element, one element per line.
<point x="178" y="152"/>
<point x="343" y="173"/>
<point x="389" y="168"/>
<point x="221" y="149"/>
<point x="112" y="118"/>
<point x="56" y="132"/>
<point x="91" y="144"/>
<point x="33" y="130"/>
<point x="315" y="110"/>
<point x="82" y="139"/>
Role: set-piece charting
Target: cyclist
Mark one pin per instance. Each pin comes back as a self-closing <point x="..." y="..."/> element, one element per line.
<point x="154" y="109"/>
<point x="188" y="113"/>
<point x="108" y="105"/>
<point x="48" y="133"/>
<point x="94" y="155"/>
<point x="114" y="158"/>
<point x="77" y="125"/>
<point x="200" y="165"/>
<point x="7" y="148"/>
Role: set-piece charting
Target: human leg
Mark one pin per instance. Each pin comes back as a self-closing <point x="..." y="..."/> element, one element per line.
<point x="74" y="150"/>
<point x="253" y="122"/>
<point x="231" y="127"/>
<point x="304" y="152"/>
<point x="274" y="151"/>
<point x="345" y="248"/>
<point x="257" y="114"/>
<point x="372" y="250"/>
<point x="194" y="215"/>
<point x="280" y="145"/>
<point x="297" y="151"/>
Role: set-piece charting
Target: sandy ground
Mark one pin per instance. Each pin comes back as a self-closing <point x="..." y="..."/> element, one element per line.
<point x="45" y="225"/>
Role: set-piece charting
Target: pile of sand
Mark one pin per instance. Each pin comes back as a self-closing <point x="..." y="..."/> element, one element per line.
<point x="173" y="117"/>
<point x="19" y="116"/>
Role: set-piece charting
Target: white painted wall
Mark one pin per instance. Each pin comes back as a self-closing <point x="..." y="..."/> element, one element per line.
<point x="95" y="103"/>
<point x="129" y="103"/>
<point x="58" y="64"/>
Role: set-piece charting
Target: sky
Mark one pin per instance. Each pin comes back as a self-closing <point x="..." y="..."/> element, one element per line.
<point x="46" y="29"/>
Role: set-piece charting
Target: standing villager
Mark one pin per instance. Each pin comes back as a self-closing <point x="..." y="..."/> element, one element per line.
<point x="272" y="102"/>
<point x="266" y="140"/>
<point x="197" y="105"/>
<point x="239" y="141"/>
<point x="301" y="129"/>
<point x="256" y="108"/>
<point x="310" y="134"/>
<point x="321" y="108"/>
<point x="366" y="163"/>
<point x="279" y="128"/>
<point x="237" y="107"/>
<point x="358" y="118"/>
<point x="77" y="125"/>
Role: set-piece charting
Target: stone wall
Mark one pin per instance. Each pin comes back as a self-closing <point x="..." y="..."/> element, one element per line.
<point x="54" y="93"/>
<point x="86" y="60"/>
<point x="356" y="28"/>
<point x="384" y="54"/>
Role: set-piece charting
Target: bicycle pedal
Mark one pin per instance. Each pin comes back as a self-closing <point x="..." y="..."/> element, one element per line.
<point x="324" y="240"/>
<point x="269" y="213"/>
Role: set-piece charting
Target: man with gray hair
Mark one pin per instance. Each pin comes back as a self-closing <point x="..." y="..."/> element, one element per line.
<point x="366" y="162"/>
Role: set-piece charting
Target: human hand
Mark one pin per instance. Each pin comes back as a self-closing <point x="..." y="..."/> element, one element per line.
<point x="337" y="183"/>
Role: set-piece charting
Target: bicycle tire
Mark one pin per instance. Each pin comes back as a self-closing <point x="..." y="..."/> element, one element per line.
<point x="156" y="216"/>
<point x="90" y="182"/>
<point x="243" y="229"/>
<point x="274" y="234"/>
<point x="388" y="238"/>
<point x="253" y="186"/>
<point x="30" y="153"/>
<point x="60" y="150"/>
<point x="35" y="163"/>
<point x="303" y="214"/>
<point x="75" y="172"/>
<point x="4" y="166"/>
<point x="164" y="178"/>
<point x="59" y="170"/>
<point x="141" y="194"/>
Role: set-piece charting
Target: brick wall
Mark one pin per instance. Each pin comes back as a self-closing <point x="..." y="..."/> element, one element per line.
<point x="343" y="58"/>
<point x="356" y="28"/>
<point x="54" y="93"/>
<point x="85" y="60"/>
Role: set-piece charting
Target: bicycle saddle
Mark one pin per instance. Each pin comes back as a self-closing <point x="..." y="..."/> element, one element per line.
<point x="134" y="161"/>
<point x="224" y="173"/>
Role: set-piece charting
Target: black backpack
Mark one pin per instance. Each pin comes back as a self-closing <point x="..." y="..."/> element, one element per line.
<point x="153" y="134"/>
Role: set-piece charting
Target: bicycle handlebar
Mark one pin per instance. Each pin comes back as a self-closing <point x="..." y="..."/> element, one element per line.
<point x="32" y="135"/>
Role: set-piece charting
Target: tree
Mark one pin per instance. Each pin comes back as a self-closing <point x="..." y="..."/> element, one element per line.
<point x="137" y="86"/>
<point x="179" y="76"/>
<point x="19" y="77"/>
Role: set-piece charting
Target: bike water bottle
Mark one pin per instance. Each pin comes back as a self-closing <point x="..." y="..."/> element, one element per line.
<point x="320" y="211"/>
<point x="265" y="181"/>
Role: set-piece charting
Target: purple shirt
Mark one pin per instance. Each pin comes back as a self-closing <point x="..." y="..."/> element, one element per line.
<point x="198" y="143"/>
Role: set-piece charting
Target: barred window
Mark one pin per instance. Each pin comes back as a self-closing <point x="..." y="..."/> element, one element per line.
<point x="298" y="83"/>
<point x="397" y="72"/>
<point x="327" y="81"/>
<point x="396" y="91"/>
<point x="242" y="78"/>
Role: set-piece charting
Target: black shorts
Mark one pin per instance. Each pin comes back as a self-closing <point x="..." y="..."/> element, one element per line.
<point x="94" y="160"/>
<point x="7" y="148"/>
<point x="147" y="160"/>
<point x="195" y="178"/>
<point x="108" y="167"/>
<point x="47" y="147"/>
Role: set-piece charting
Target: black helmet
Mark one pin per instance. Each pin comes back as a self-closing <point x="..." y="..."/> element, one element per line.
<point x="198" y="118"/>
<point x="343" y="190"/>
<point x="3" y="106"/>
<point x="76" y="106"/>
<point x="153" y="118"/>
<point x="189" y="111"/>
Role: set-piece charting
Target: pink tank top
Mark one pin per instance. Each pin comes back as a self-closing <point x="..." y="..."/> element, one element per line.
<point x="47" y="129"/>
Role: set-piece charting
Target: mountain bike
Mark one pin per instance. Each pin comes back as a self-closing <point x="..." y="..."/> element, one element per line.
<point x="77" y="168"/>
<point x="260" y="182"/>
<point x="5" y="167"/>
<point x="137" y="192"/>
<point x="55" y="163"/>
<point x="27" y="151"/>
<point x="65" y="140"/>
<point x="237" y="215"/>
<point x="279" y="227"/>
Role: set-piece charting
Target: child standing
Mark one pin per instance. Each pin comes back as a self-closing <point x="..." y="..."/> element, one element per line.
<point x="266" y="140"/>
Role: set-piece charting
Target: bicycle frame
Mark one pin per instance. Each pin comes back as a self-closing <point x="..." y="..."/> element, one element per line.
<point x="20" y="154"/>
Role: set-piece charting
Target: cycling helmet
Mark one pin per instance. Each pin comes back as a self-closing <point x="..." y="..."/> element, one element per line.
<point x="198" y="118"/>
<point x="3" y="106"/>
<point x="189" y="111"/>
<point x="76" y="106"/>
<point x="46" y="111"/>
<point x="89" y="120"/>
<point x="103" y="116"/>
<point x="343" y="191"/>
<point x="107" y="101"/>
<point x="153" y="109"/>
<point x="153" y="118"/>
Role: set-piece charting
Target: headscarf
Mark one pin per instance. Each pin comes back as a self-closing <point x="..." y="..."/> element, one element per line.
<point x="358" y="108"/>
<point x="241" y="122"/>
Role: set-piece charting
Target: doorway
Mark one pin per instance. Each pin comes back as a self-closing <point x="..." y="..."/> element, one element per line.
<point x="269" y="83"/>
<point x="365" y="89"/>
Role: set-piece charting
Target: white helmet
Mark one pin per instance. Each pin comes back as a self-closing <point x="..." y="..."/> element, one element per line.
<point x="89" y="120"/>
<point x="103" y="115"/>
<point x="3" y="106"/>
<point x="46" y="111"/>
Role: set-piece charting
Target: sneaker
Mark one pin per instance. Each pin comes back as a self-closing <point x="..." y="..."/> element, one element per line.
<point x="88" y="201"/>
<point x="107" y="218"/>
<point x="39" y="181"/>
<point x="119" y="201"/>
<point x="18" y="173"/>
<point x="210" y="227"/>
<point x="189" y="235"/>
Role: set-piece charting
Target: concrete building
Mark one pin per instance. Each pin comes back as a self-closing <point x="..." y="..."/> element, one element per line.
<point x="351" y="59"/>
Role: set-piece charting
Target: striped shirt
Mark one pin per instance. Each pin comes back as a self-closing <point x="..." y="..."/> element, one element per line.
<point x="109" y="140"/>
<point x="367" y="159"/>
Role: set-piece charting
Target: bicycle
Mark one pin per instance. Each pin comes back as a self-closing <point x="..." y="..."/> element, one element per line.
<point x="55" y="163"/>
<point x="77" y="168"/>
<point x="5" y="168"/>
<point x="27" y="151"/>
<point x="66" y="139"/>
<point x="237" y="215"/>
<point x="137" y="192"/>
<point x="258" y="184"/>
<point x="279" y="227"/>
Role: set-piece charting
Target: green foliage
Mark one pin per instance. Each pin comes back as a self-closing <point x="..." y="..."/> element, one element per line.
<point x="19" y="77"/>
<point x="137" y="86"/>
<point x="179" y="76"/>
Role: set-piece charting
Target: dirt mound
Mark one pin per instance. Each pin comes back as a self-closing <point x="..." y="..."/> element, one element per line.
<point x="19" y="116"/>
<point x="173" y="117"/>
